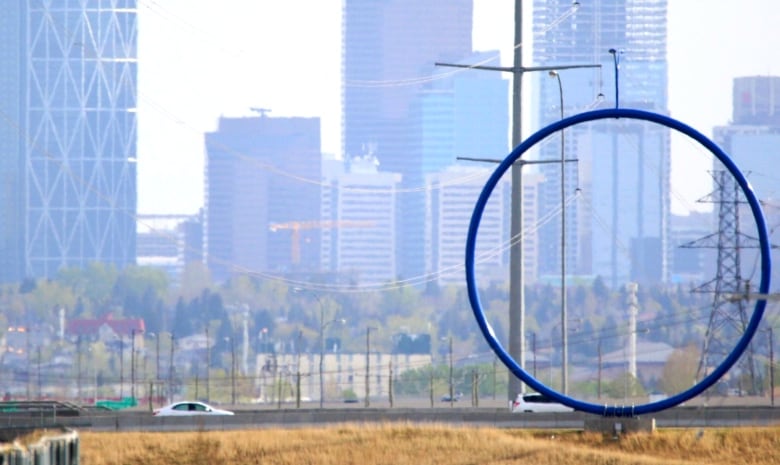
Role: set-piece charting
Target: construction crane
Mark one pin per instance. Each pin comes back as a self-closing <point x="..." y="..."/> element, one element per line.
<point x="295" y="228"/>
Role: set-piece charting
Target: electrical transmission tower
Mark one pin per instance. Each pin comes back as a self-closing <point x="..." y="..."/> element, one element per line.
<point x="728" y="317"/>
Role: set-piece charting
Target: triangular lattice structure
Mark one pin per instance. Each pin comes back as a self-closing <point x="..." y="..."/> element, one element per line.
<point x="728" y="318"/>
<point x="79" y="125"/>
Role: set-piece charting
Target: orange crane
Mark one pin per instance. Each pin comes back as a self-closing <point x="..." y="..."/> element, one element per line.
<point x="295" y="228"/>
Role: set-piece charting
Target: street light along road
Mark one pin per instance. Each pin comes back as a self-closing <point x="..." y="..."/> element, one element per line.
<point x="323" y="325"/>
<point x="368" y="364"/>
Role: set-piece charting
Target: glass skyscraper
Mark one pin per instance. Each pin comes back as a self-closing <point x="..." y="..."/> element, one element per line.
<point x="68" y="135"/>
<point x="395" y="98"/>
<point x="618" y="226"/>
<point x="263" y="190"/>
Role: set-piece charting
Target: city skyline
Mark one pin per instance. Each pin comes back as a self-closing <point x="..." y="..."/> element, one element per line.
<point x="225" y="61"/>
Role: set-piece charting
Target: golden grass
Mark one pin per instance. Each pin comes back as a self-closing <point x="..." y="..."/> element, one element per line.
<point x="431" y="444"/>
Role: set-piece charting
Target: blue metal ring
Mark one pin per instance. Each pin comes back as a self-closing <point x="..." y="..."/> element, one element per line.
<point x="487" y="331"/>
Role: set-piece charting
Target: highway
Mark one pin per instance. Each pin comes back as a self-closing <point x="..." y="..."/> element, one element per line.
<point x="679" y="417"/>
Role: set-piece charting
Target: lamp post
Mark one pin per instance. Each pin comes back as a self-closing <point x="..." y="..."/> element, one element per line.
<point x="78" y="368"/>
<point x="564" y="330"/>
<point x="121" y="366"/>
<point x="40" y="385"/>
<point x="321" y="340"/>
<point x="533" y="349"/>
<point x="452" y="393"/>
<point x="322" y="348"/>
<point x="771" y="374"/>
<point x="132" y="363"/>
<point x="157" y="356"/>
<point x="298" y="370"/>
<point x="368" y="363"/>
<point x="93" y="362"/>
<point x="170" y="368"/>
<point x="208" y="366"/>
<point x="232" y="369"/>
<point x="564" y="324"/>
<point x="323" y="324"/>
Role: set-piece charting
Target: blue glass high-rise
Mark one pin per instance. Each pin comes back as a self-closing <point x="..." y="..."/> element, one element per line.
<point x="68" y="139"/>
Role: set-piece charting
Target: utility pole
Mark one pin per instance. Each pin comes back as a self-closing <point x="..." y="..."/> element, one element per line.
<point x="40" y="385"/>
<point x="599" y="382"/>
<point x="78" y="367"/>
<point x="170" y="369"/>
<point x="516" y="278"/>
<point x="121" y="366"/>
<point x="390" y="383"/>
<point x="533" y="348"/>
<point x="368" y="365"/>
<point x="771" y="367"/>
<point x="132" y="363"/>
<point x="208" y="366"/>
<point x="157" y="356"/>
<point x="232" y="370"/>
<point x="452" y="394"/>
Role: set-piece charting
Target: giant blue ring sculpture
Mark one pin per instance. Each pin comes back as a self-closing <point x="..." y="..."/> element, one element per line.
<point x="616" y="410"/>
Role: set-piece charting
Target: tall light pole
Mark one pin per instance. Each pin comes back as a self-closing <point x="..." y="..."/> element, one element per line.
<point x="452" y="388"/>
<point x="132" y="363"/>
<point x="323" y="324"/>
<point x="121" y="366"/>
<point x="564" y="327"/>
<point x="232" y="369"/>
<point x="78" y="368"/>
<point x="771" y="367"/>
<point x="157" y="356"/>
<point x="516" y="278"/>
<point x="322" y="348"/>
<point x="208" y="365"/>
<point x="156" y="382"/>
<point x="298" y="370"/>
<point x="170" y="368"/>
<point x="40" y="385"/>
<point x="368" y="363"/>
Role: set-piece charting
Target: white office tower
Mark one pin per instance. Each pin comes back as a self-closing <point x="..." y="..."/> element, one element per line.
<point x="450" y="200"/>
<point x="359" y="212"/>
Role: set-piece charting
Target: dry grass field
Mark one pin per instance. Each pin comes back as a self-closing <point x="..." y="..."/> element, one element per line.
<point x="431" y="444"/>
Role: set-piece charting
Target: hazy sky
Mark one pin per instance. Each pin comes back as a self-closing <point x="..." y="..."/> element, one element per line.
<point x="202" y="59"/>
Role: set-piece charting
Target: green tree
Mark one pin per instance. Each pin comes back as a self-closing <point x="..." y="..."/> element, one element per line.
<point x="679" y="372"/>
<point x="94" y="284"/>
<point x="625" y="386"/>
<point x="195" y="278"/>
<point x="138" y="280"/>
<point x="44" y="302"/>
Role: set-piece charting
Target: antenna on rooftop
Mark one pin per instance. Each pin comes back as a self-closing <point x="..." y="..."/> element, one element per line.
<point x="263" y="112"/>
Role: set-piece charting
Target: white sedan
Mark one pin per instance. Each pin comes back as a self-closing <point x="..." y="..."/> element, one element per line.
<point x="189" y="408"/>
<point x="535" y="402"/>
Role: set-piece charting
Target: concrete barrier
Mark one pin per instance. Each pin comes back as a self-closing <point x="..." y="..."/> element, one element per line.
<point x="61" y="448"/>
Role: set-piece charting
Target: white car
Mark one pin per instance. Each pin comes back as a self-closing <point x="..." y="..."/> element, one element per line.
<point x="537" y="403"/>
<point x="189" y="408"/>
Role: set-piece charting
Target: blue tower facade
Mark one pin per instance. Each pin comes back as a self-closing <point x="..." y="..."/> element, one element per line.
<point x="68" y="143"/>
<point x="410" y="114"/>
<point x="390" y="47"/>
<point x="617" y="227"/>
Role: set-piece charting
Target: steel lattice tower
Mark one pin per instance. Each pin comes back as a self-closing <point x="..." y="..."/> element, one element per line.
<point x="728" y="317"/>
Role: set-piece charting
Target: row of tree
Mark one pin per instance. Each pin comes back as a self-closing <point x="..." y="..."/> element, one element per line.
<point x="287" y="318"/>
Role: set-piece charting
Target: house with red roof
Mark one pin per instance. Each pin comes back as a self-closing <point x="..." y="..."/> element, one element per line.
<point x="107" y="329"/>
